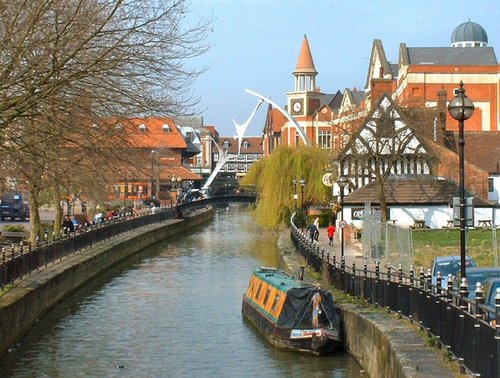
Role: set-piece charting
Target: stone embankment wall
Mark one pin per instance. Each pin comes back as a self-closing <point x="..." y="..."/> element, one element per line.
<point x="36" y="294"/>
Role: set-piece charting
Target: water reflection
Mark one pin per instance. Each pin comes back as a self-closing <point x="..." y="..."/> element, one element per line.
<point x="171" y="311"/>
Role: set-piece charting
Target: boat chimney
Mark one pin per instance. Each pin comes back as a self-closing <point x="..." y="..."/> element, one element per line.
<point x="301" y="273"/>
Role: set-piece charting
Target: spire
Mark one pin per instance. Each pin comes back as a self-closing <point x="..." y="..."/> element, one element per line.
<point x="305" y="64"/>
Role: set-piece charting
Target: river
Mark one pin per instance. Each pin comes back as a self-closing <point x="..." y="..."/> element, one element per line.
<point x="173" y="310"/>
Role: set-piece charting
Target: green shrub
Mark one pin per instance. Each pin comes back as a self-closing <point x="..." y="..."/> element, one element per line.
<point x="14" y="228"/>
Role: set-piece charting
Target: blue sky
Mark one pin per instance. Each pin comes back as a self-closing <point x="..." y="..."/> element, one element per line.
<point x="256" y="44"/>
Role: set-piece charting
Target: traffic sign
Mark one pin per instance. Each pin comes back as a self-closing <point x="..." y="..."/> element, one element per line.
<point x="342" y="224"/>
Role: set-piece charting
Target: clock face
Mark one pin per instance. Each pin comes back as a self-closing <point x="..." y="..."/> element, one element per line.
<point x="297" y="106"/>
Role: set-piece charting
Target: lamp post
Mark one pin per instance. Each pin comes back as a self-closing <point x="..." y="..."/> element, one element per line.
<point x="342" y="182"/>
<point x="302" y="185"/>
<point x="152" y="174"/>
<point x="461" y="108"/>
<point x="295" y="195"/>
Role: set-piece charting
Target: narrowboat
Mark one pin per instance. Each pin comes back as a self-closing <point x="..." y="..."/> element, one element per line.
<point x="290" y="313"/>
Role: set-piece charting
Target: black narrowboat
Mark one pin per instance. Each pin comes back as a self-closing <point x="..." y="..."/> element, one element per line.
<point x="290" y="313"/>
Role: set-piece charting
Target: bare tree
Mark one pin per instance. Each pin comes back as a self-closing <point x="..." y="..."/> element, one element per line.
<point x="67" y="66"/>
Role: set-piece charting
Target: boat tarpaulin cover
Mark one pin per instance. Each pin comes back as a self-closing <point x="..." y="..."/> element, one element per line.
<point x="298" y="308"/>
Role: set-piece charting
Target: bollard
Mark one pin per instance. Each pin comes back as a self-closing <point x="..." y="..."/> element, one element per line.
<point x="463" y="294"/>
<point x="422" y="277"/>
<point x="365" y="268"/>
<point x="461" y="365"/>
<point x="400" y="274"/>
<point x="353" y="267"/>
<point x="388" y="273"/>
<point x="412" y="275"/>
<point x="377" y="270"/>
<point x="301" y="273"/>
<point x="328" y="257"/>
<point x="334" y="261"/>
<point x="322" y="253"/>
<point x="479" y="300"/>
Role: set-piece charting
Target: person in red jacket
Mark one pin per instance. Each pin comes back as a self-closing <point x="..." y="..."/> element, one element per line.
<point x="331" y="232"/>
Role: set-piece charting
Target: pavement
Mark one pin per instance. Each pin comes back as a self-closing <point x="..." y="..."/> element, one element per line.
<point x="353" y="250"/>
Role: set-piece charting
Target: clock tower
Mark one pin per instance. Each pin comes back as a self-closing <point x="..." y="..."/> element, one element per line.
<point x="306" y="98"/>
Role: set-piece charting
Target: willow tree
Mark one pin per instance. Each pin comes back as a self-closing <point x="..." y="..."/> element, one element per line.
<point x="273" y="177"/>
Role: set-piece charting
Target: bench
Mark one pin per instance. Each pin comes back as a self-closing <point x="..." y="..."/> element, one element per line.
<point x="449" y="224"/>
<point x="419" y="223"/>
<point x="484" y="223"/>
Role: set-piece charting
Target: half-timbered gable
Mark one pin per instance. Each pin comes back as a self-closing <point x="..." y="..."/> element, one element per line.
<point x="385" y="144"/>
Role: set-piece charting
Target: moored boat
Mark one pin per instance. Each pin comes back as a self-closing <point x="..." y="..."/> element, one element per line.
<point x="290" y="313"/>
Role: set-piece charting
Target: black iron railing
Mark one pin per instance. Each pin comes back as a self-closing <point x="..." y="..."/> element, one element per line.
<point x="19" y="260"/>
<point x="455" y="322"/>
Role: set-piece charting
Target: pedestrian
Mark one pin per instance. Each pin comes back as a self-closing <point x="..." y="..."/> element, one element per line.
<point x="316" y="223"/>
<point x="331" y="232"/>
<point x="312" y="231"/>
<point x="67" y="225"/>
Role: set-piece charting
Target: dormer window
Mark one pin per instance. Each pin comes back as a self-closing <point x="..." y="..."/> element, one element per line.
<point x="165" y="128"/>
<point x="225" y="144"/>
<point x="119" y="127"/>
<point x="142" y="128"/>
<point x="245" y="144"/>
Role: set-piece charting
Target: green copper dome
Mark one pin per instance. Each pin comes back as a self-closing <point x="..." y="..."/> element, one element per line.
<point x="469" y="34"/>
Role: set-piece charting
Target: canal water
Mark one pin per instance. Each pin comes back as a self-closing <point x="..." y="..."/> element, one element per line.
<point x="173" y="310"/>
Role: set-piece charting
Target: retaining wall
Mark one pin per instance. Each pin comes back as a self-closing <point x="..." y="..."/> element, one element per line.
<point x="36" y="294"/>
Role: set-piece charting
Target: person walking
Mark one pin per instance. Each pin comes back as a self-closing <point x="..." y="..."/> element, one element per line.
<point x="312" y="231"/>
<point x="331" y="232"/>
<point x="316" y="224"/>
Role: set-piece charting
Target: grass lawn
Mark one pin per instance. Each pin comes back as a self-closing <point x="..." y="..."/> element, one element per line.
<point x="428" y="244"/>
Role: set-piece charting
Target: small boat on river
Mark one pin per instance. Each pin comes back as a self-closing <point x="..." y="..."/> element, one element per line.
<point x="290" y="313"/>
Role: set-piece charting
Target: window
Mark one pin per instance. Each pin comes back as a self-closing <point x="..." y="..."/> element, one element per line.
<point x="491" y="185"/>
<point x="266" y="298"/>
<point x="142" y="128"/>
<point x="245" y="144"/>
<point x="226" y="144"/>
<point x="275" y="303"/>
<point x="258" y="291"/>
<point x="324" y="139"/>
<point x="165" y="128"/>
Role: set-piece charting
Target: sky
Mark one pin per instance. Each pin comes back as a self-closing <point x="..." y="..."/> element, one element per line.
<point x="256" y="44"/>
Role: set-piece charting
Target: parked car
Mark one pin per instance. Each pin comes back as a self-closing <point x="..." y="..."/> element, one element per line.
<point x="13" y="206"/>
<point x="490" y="291"/>
<point x="448" y="265"/>
<point x="475" y="275"/>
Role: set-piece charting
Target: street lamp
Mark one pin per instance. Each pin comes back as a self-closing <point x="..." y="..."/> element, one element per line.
<point x="342" y="182"/>
<point x="461" y="108"/>
<point x="152" y="174"/>
<point x="295" y="195"/>
<point x="302" y="185"/>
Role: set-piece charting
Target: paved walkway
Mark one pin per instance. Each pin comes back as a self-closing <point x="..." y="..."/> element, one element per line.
<point x="352" y="248"/>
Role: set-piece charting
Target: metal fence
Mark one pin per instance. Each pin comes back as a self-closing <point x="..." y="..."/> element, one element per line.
<point x="455" y="322"/>
<point x="19" y="260"/>
<point x="384" y="241"/>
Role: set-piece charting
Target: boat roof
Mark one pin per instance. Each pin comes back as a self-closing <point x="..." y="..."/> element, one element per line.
<point x="278" y="278"/>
